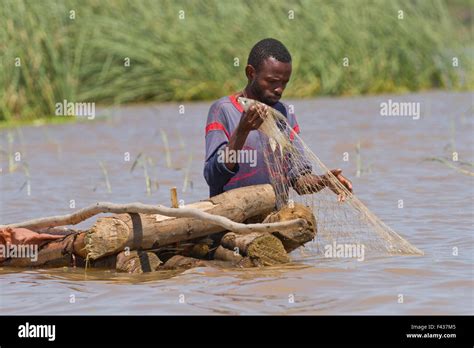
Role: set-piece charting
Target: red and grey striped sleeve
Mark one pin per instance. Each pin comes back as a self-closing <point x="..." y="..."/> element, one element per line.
<point x="216" y="131"/>
<point x="216" y="173"/>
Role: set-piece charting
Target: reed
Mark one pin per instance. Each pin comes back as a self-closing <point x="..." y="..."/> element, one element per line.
<point x="106" y="176"/>
<point x="27" y="183"/>
<point x="12" y="166"/>
<point x="360" y="167"/>
<point x="358" y="160"/>
<point x="187" y="171"/>
<point x="449" y="163"/>
<point x="141" y="160"/>
<point x="164" y="138"/>
<point x="49" y="57"/>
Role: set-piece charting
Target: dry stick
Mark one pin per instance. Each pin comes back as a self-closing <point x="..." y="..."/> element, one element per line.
<point x="174" y="197"/>
<point x="107" y="207"/>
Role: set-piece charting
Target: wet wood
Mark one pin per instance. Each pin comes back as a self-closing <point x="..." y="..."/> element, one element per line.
<point x="233" y="203"/>
<point x="110" y="235"/>
<point x="57" y="253"/>
<point x="114" y="239"/>
<point x="137" y="262"/>
<point x="200" y="251"/>
<point x="179" y="262"/>
<point x="263" y="249"/>
<point x="183" y="262"/>
<point x="224" y="254"/>
<point x="295" y="238"/>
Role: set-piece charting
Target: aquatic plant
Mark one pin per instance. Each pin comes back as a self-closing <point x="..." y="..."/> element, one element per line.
<point x="114" y="52"/>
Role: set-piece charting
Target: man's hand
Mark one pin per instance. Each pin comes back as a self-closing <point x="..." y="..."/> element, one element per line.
<point x="341" y="196"/>
<point x="310" y="183"/>
<point x="253" y="118"/>
<point x="250" y="120"/>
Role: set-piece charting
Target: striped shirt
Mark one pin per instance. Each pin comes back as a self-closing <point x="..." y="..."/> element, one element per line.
<point x="222" y="120"/>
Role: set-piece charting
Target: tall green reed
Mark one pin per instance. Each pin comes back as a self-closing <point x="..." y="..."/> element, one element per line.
<point x="86" y="58"/>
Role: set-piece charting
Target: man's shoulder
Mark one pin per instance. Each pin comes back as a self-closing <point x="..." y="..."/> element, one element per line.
<point x="288" y="107"/>
<point x="221" y="109"/>
<point x="223" y="102"/>
<point x="283" y="108"/>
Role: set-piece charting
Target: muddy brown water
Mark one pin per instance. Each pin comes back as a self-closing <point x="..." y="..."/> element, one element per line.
<point x="437" y="214"/>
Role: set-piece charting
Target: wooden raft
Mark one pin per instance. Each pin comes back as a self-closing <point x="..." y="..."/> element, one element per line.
<point x="238" y="228"/>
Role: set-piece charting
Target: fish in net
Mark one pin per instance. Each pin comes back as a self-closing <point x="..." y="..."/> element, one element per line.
<point x="345" y="220"/>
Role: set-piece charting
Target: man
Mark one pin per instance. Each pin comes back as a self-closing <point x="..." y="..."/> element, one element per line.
<point x="230" y="129"/>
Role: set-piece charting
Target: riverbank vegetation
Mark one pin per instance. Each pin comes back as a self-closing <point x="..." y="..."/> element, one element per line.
<point x="113" y="52"/>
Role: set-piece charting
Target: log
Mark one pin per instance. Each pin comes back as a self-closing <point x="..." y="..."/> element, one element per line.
<point x="63" y="252"/>
<point x="185" y="212"/>
<point x="140" y="208"/>
<point x="110" y="235"/>
<point x="137" y="262"/>
<point x="199" y="248"/>
<point x="248" y="262"/>
<point x="295" y="238"/>
<point x="183" y="262"/>
<point x="199" y="251"/>
<point x="150" y="231"/>
<point x="224" y="254"/>
<point x="263" y="249"/>
<point x="235" y="259"/>
<point x="179" y="262"/>
<point x="69" y="252"/>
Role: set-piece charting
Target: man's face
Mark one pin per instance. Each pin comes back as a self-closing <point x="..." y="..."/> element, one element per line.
<point x="269" y="82"/>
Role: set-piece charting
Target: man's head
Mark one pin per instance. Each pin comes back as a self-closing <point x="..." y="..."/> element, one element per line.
<point x="268" y="70"/>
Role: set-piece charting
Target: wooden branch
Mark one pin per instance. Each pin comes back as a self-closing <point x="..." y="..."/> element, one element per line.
<point x="106" y="207"/>
<point x="112" y="234"/>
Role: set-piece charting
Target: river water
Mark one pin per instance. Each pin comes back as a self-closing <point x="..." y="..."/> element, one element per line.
<point x="437" y="214"/>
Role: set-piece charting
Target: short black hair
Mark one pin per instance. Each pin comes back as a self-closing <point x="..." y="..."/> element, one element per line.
<point x="268" y="48"/>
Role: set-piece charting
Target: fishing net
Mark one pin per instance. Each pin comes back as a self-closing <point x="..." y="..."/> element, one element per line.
<point x="349" y="222"/>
